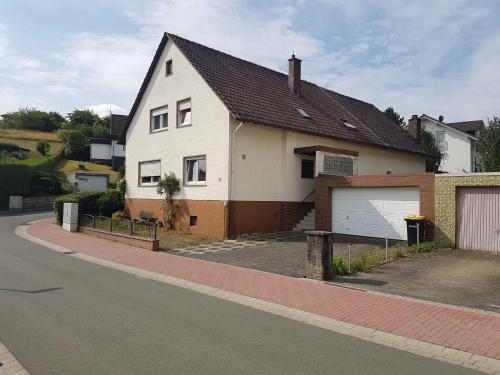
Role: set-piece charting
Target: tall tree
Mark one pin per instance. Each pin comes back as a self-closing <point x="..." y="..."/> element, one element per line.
<point x="81" y="117"/>
<point x="489" y="145"/>
<point x="394" y="116"/>
<point x="429" y="141"/>
<point x="32" y="119"/>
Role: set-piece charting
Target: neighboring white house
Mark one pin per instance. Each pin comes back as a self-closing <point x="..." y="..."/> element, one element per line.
<point x="107" y="150"/>
<point x="458" y="142"/>
<point x="89" y="181"/>
<point x="247" y="141"/>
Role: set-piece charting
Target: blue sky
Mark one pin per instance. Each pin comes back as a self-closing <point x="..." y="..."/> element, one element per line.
<point x="428" y="56"/>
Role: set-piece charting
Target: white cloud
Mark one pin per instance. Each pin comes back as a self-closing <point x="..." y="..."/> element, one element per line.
<point x="105" y="109"/>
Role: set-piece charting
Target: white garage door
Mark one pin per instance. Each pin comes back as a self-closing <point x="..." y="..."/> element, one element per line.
<point x="88" y="183"/>
<point x="373" y="212"/>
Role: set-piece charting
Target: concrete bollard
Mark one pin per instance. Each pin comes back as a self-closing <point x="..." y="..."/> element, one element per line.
<point x="15" y="203"/>
<point x="319" y="255"/>
<point x="70" y="217"/>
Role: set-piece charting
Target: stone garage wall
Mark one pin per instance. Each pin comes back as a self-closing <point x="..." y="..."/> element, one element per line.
<point x="446" y="197"/>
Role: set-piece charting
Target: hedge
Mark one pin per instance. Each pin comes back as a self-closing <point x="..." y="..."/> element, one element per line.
<point x="91" y="202"/>
<point x="87" y="203"/>
<point x="16" y="176"/>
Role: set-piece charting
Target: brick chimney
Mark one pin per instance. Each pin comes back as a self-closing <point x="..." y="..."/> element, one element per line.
<point x="294" y="74"/>
<point x="415" y="128"/>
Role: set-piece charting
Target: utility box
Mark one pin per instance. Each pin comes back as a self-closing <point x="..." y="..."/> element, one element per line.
<point x="319" y="255"/>
<point x="70" y="217"/>
<point x="15" y="203"/>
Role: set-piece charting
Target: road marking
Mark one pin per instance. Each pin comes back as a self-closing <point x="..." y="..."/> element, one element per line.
<point x="438" y="352"/>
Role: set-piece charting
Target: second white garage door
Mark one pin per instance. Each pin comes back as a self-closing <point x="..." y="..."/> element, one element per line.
<point x="373" y="212"/>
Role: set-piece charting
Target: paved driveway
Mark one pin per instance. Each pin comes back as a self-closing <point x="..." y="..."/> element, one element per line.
<point x="456" y="277"/>
<point x="285" y="255"/>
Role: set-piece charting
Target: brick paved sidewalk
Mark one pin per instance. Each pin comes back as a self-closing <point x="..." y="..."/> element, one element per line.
<point x="455" y="328"/>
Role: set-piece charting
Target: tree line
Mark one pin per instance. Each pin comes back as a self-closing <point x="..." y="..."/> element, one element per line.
<point x="75" y="129"/>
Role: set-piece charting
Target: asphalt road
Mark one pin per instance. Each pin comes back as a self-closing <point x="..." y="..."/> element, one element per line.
<point x="61" y="316"/>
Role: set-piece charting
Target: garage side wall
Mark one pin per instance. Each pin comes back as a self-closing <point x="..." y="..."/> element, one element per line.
<point x="446" y="199"/>
<point x="325" y="184"/>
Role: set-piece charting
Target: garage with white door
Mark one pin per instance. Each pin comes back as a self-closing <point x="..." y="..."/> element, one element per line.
<point x="374" y="212"/>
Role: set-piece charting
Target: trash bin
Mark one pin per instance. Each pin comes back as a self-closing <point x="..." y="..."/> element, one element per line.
<point x="415" y="228"/>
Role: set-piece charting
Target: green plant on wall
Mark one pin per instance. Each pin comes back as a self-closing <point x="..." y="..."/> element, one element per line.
<point x="169" y="187"/>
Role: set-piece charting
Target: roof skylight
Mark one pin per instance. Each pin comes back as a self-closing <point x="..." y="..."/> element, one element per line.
<point x="303" y="113"/>
<point x="347" y="125"/>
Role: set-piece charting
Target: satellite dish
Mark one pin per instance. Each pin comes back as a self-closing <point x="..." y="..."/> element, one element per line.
<point x="441" y="118"/>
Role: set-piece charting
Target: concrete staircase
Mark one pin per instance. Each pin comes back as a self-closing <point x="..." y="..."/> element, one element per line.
<point x="307" y="223"/>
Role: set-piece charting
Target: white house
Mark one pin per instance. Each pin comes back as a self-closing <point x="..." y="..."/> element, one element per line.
<point x="107" y="150"/>
<point x="458" y="142"/>
<point x="247" y="141"/>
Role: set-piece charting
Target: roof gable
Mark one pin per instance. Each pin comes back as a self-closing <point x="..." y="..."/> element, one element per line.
<point x="253" y="93"/>
<point x="447" y="126"/>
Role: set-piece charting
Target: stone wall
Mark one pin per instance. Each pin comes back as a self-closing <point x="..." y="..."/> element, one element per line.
<point x="33" y="203"/>
<point x="445" y="200"/>
<point x="143" y="243"/>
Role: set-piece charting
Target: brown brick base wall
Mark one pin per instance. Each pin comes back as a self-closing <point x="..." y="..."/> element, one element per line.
<point x="211" y="215"/>
<point x="325" y="184"/>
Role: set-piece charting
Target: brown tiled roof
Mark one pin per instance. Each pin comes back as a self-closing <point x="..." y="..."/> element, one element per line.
<point x="467" y="126"/>
<point x="117" y="123"/>
<point x="253" y="93"/>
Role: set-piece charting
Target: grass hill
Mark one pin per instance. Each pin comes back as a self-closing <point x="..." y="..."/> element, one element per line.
<point x="28" y="139"/>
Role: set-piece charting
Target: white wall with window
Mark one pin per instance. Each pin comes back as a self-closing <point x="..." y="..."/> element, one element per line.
<point x="208" y="135"/>
<point x="149" y="173"/>
<point x="454" y="145"/>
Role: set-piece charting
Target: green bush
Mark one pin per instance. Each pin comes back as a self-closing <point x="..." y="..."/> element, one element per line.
<point x="339" y="266"/>
<point x="87" y="203"/>
<point x="43" y="147"/>
<point x="46" y="183"/>
<point x="8" y="147"/>
<point x="110" y="201"/>
<point x="423" y="247"/>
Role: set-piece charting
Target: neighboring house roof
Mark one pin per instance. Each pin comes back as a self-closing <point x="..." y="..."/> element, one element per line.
<point x="253" y="93"/>
<point x="448" y="126"/>
<point x="467" y="126"/>
<point x="117" y="123"/>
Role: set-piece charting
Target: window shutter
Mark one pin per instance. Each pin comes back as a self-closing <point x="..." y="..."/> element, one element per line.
<point x="185" y="105"/>
<point x="150" y="169"/>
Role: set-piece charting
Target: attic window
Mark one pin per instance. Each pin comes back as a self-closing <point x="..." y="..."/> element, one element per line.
<point x="303" y="113"/>
<point x="347" y="125"/>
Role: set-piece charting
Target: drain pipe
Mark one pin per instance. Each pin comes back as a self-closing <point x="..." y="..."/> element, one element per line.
<point x="232" y="184"/>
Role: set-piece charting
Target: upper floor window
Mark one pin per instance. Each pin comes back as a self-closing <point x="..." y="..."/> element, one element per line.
<point x="149" y="173"/>
<point x="442" y="145"/>
<point x="338" y="165"/>
<point x="195" y="170"/>
<point x="159" y="119"/>
<point x="168" y="68"/>
<point x="184" y="112"/>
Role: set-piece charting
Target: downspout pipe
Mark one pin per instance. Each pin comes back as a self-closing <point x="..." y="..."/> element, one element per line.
<point x="232" y="181"/>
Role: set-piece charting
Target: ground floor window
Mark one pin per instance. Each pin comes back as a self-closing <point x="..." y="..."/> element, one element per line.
<point x="195" y="170"/>
<point x="307" y="168"/>
<point x="149" y="173"/>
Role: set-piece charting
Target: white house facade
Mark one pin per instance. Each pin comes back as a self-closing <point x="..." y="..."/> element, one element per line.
<point x="244" y="170"/>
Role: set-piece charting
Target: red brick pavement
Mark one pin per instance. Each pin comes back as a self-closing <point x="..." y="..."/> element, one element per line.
<point x="464" y="330"/>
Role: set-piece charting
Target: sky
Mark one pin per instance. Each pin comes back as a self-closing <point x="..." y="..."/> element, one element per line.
<point x="439" y="57"/>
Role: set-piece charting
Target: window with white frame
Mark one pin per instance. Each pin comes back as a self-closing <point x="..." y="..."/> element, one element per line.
<point x="195" y="170"/>
<point x="338" y="165"/>
<point x="159" y="119"/>
<point x="149" y="173"/>
<point x="184" y="112"/>
<point x="441" y="143"/>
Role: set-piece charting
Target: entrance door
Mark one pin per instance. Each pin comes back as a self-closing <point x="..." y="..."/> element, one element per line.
<point x="478" y="218"/>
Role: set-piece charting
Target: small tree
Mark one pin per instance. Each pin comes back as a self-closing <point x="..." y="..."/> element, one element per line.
<point x="394" y="116"/>
<point x="43" y="147"/>
<point x="169" y="186"/>
<point x="75" y="143"/>
<point x="489" y="145"/>
<point x="429" y="141"/>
